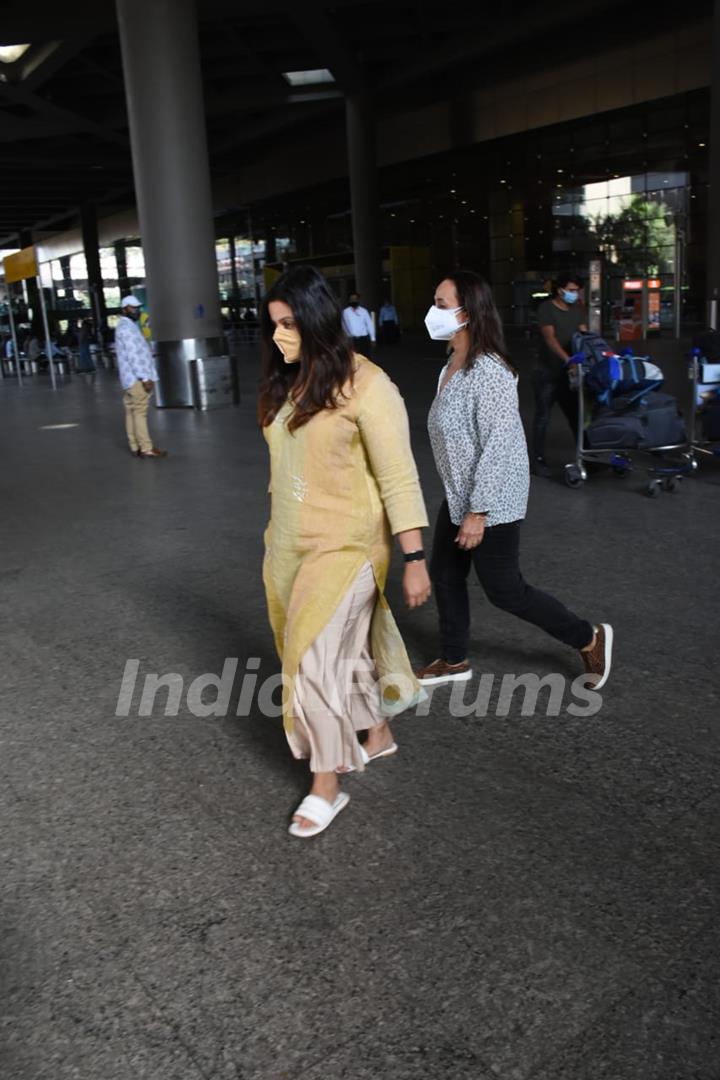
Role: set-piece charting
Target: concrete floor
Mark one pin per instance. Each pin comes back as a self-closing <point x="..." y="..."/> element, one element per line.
<point x="510" y="897"/>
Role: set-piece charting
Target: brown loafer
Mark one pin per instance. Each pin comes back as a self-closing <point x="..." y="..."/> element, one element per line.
<point x="440" y="671"/>
<point x="598" y="660"/>
<point x="153" y="453"/>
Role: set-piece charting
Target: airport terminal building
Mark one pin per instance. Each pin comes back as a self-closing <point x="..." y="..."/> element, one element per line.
<point x="382" y="150"/>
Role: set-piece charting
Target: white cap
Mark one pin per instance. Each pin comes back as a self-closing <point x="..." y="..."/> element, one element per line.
<point x="130" y="301"/>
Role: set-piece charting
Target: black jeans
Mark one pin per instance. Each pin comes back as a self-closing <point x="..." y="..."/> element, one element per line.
<point x="551" y="387"/>
<point x="496" y="562"/>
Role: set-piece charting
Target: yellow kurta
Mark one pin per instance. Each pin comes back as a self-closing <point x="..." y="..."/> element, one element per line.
<point x="342" y="485"/>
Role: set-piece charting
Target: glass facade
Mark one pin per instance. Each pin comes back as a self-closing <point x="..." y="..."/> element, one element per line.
<point x="627" y="188"/>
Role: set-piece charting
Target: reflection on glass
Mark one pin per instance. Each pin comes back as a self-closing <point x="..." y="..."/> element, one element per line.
<point x="630" y="220"/>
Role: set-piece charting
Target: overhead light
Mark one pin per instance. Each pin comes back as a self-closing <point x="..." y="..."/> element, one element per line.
<point x="309" y="78"/>
<point x="10" y="53"/>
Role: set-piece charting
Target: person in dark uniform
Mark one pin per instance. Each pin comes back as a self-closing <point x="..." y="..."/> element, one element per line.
<point x="558" y="319"/>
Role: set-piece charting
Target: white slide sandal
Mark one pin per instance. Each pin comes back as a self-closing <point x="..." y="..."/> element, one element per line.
<point x="318" y="810"/>
<point x="384" y="753"/>
<point x="367" y="758"/>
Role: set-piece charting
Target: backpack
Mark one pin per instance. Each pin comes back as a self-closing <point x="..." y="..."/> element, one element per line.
<point x="592" y="347"/>
<point x="606" y="373"/>
<point x="622" y="375"/>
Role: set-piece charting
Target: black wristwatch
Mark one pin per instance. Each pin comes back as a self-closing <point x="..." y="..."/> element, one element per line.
<point x="414" y="556"/>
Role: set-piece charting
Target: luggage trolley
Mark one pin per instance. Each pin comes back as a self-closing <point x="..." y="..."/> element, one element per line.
<point x="703" y="374"/>
<point x="666" y="477"/>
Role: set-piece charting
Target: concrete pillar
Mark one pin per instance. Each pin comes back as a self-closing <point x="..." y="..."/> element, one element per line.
<point x="67" y="278"/>
<point x="235" y="292"/>
<point x="713" y="230"/>
<point x="91" y="247"/>
<point x="163" y="86"/>
<point x="121" y="263"/>
<point x="270" y="245"/>
<point x="362" y="162"/>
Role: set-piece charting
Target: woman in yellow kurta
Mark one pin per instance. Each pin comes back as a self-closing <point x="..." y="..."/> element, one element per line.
<point x="343" y="482"/>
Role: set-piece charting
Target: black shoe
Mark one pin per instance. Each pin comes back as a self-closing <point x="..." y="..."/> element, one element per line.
<point x="539" y="467"/>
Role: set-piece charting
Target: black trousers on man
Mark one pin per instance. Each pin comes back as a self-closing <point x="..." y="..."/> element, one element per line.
<point x="497" y="565"/>
<point x="551" y="387"/>
<point x="362" y="345"/>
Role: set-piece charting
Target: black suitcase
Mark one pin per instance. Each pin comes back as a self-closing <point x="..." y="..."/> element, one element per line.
<point x="612" y="431"/>
<point x="633" y="423"/>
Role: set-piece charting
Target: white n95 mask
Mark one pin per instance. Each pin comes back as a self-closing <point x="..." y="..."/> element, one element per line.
<point x="441" y="323"/>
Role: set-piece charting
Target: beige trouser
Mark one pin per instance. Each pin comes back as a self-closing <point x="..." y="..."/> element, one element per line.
<point x="336" y="692"/>
<point x="136" y="401"/>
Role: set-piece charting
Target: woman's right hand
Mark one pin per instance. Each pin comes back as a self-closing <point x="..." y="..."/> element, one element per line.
<point x="416" y="583"/>
<point x="471" y="532"/>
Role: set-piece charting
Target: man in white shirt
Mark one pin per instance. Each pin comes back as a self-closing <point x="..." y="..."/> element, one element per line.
<point x="389" y="324"/>
<point x="136" y="369"/>
<point x="359" y="325"/>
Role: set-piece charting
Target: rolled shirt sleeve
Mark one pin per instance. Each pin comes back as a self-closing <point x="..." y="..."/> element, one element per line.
<point x="497" y="422"/>
<point x="385" y="432"/>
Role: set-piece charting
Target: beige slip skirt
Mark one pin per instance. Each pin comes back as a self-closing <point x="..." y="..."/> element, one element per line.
<point x="336" y="689"/>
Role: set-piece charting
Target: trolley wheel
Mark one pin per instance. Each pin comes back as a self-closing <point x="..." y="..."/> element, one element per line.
<point x="573" y="476"/>
<point x="653" y="489"/>
<point x="672" y="483"/>
<point x="691" y="462"/>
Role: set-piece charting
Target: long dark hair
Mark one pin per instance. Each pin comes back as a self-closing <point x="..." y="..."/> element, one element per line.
<point x="326" y="364"/>
<point x="484" y="324"/>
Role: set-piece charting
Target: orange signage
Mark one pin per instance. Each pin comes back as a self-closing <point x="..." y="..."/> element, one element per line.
<point x="21" y="265"/>
<point x="637" y="284"/>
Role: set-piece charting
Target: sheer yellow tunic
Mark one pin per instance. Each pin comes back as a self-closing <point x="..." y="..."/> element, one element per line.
<point x="341" y="486"/>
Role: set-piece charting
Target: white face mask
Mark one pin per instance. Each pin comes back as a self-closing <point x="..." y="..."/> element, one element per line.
<point x="442" y="324"/>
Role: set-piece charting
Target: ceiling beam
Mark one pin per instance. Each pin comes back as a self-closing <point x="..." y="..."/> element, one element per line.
<point x="49" y="21"/>
<point x="14" y="129"/>
<point x="42" y="63"/>
<point x="119" y="194"/>
<point x="479" y="38"/>
<point x="19" y="96"/>
<point x="269" y="125"/>
<point x="235" y="102"/>
<point x="82" y="158"/>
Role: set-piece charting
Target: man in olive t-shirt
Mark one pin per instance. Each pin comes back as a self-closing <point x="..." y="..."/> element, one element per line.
<point x="558" y="319"/>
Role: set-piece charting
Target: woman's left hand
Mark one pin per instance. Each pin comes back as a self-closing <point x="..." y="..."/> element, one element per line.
<point x="416" y="583"/>
<point x="471" y="532"/>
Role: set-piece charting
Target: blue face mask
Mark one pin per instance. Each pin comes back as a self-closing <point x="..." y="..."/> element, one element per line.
<point x="569" y="296"/>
